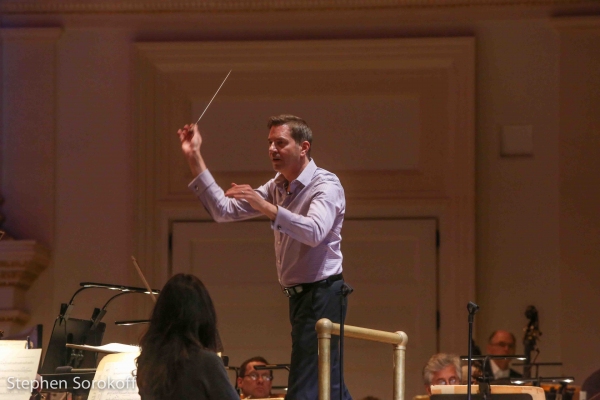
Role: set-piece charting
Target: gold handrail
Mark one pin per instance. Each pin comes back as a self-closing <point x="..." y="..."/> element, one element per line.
<point x="325" y="328"/>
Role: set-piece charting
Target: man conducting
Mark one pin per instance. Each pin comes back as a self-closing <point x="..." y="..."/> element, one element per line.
<point x="306" y="206"/>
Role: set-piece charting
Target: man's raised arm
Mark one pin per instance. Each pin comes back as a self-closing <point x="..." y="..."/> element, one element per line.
<point x="191" y="140"/>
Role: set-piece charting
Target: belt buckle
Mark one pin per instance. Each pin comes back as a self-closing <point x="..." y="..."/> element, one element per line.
<point x="293" y="290"/>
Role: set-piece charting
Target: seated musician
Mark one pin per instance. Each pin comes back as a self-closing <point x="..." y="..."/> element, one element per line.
<point x="254" y="384"/>
<point x="501" y="343"/>
<point x="178" y="357"/>
<point x="442" y="369"/>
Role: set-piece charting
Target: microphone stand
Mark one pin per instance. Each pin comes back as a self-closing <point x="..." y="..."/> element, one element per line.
<point x="345" y="291"/>
<point x="472" y="308"/>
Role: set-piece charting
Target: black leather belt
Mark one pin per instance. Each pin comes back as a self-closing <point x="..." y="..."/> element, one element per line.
<point x="305" y="287"/>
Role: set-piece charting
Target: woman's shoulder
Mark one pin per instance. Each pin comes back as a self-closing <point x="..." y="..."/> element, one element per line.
<point x="206" y="357"/>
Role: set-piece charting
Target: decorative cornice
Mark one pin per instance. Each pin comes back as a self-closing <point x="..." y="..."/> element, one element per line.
<point x="21" y="262"/>
<point x="15" y="316"/>
<point x="30" y="33"/>
<point x="225" y="6"/>
<point x="577" y="24"/>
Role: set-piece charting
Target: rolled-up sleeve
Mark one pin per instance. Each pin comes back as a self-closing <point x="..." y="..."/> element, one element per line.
<point x="313" y="228"/>
<point x="220" y="207"/>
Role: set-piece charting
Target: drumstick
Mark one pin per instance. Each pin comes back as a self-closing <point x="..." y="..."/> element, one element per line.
<point x="137" y="267"/>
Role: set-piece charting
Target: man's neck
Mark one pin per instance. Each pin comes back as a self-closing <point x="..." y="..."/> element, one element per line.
<point x="499" y="372"/>
<point x="291" y="176"/>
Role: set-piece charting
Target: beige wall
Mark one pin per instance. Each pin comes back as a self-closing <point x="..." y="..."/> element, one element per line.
<point x="579" y="143"/>
<point x="537" y="226"/>
<point x="518" y="196"/>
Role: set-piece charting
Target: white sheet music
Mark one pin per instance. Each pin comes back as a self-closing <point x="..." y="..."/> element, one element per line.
<point x="114" y="379"/>
<point x="18" y="372"/>
<point x="110" y="348"/>
<point x="13" y="344"/>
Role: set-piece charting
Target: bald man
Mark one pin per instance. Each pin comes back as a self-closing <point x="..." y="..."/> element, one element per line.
<point x="501" y="343"/>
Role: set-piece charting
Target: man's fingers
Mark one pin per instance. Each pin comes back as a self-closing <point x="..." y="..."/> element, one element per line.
<point x="186" y="133"/>
<point x="238" y="191"/>
<point x="181" y="135"/>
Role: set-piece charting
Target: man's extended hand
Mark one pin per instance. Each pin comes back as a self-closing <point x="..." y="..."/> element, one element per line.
<point x="191" y="140"/>
<point x="245" y="192"/>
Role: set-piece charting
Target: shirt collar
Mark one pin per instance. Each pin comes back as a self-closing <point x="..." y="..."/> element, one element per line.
<point x="304" y="178"/>
<point x="307" y="173"/>
<point x="499" y="373"/>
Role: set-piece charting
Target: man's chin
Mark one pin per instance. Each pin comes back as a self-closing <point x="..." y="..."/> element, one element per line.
<point x="261" y="394"/>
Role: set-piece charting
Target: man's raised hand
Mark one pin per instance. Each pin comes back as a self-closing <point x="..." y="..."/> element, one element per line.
<point x="191" y="140"/>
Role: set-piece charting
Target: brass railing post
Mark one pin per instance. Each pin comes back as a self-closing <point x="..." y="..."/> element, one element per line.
<point x="325" y="328"/>
<point x="399" y="367"/>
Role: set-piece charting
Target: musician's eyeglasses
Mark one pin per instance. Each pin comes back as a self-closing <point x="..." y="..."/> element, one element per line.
<point x="451" y="381"/>
<point x="504" y="344"/>
<point x="255" y="377"/>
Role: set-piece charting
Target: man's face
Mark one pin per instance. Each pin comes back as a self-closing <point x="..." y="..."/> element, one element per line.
<point x="258" y="388"/>
<point x="502" y="344"/>
<point x="286" y="155"/>
<point x="446" y="376"/>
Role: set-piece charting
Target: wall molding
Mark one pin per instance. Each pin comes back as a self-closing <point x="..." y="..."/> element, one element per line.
<point x="21" y="262"/>
<point x="228" y="6"/>
<point x="170" y="74"/>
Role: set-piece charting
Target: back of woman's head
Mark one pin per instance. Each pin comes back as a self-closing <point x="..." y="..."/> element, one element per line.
<point x="184" y="310"/>
<point x="183" y="320"/>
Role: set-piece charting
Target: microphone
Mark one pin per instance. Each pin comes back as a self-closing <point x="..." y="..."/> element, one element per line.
<point x="472" y="308"/>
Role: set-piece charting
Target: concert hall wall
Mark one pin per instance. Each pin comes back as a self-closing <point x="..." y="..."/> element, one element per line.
<point x="71" y="178"/>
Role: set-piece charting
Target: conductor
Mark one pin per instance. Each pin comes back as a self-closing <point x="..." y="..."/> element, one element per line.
<point x="306" y="206"/>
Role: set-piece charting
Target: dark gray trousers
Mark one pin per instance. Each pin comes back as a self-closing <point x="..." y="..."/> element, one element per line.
<point x="323" y="301"/>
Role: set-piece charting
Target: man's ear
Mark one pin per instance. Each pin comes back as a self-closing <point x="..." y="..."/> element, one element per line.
<point x="239" y="382"/>
<point x="304" y="147"/>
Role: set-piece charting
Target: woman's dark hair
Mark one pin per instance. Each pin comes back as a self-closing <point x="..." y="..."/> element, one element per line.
<point x="183" y="320"/>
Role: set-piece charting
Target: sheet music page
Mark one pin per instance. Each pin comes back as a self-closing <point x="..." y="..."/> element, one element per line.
<point x="13" y="344"/>
<point x="114" y="379"/>
<point x="107" y="348"/>
<point x="18" y="370"/>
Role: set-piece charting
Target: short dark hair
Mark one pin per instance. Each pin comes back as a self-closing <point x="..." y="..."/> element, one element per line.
<point x="242" y="370"/>
<point x="298" y="127"/>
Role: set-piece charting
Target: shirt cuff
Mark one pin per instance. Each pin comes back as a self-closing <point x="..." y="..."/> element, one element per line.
<point x="282" y="220"/>
<point x="201" y="182"/>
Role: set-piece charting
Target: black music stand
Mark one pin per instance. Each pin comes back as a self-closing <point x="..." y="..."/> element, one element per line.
<point x="495" y="396"/>
<point x="74" y="366"/>
<point x="33" y="335"/>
